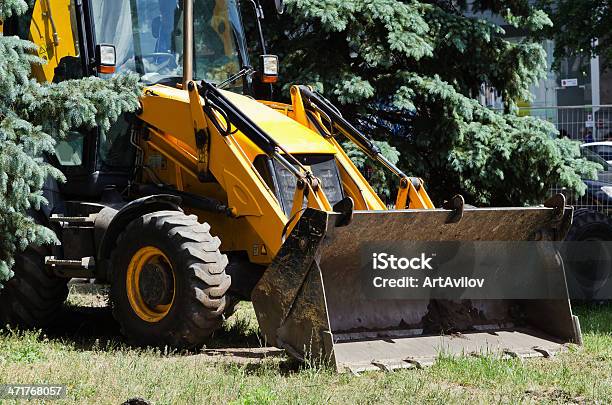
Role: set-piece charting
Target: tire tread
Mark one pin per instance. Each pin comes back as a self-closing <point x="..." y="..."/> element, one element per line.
<point x="198" y="252"/>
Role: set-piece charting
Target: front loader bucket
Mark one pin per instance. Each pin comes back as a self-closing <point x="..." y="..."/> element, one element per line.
<point x="310" y="300"/>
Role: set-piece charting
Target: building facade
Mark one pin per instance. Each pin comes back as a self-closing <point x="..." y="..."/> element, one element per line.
<point x="576" y="97"/>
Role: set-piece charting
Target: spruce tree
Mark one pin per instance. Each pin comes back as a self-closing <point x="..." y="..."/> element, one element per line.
<point x="409" y="73"/>
<point x="576" y="26"/>
<point x="33" y="116"/>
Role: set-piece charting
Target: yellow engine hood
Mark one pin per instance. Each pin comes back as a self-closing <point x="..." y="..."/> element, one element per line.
<point x="290" y="134"/>
<point x="160" y="100"/>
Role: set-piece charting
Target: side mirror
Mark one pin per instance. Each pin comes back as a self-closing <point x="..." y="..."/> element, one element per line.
<point x="269" y="68"/>
<point x="280" y="6"/>
<point x="106" y="58"/>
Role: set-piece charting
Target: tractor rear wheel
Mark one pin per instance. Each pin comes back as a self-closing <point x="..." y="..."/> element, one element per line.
<point x="168" y="284"/>
<point x="33" y="297"/>
<point x="588" y="264"/>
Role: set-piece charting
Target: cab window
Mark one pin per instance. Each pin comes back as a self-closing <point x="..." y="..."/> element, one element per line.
<point x="148" y="37"/>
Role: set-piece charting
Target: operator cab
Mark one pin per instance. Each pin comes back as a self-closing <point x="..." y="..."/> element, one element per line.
<point x="109" y="37"/>
<point x="147" y="37"/>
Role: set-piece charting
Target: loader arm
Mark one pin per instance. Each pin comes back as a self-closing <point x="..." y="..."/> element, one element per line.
<point x="313" y="106"/>
<point x="197" y="131"/>
<point x="247" y="194"/>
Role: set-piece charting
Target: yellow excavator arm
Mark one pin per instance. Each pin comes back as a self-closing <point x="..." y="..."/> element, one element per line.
<point x="230" y="159"/>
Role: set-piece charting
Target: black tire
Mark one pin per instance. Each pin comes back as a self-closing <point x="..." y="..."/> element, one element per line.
<point x="588" y="266"/>
<point x="199" y="280"/>
<point x="34" y="296"/>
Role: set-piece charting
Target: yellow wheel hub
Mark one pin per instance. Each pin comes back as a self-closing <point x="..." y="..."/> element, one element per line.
<point x="150" y="284"/>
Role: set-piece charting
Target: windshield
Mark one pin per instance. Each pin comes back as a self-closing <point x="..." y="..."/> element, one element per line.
<point x="594" y="157"/>
<point x="605" y="151"/>
<point x="148" y="37"/>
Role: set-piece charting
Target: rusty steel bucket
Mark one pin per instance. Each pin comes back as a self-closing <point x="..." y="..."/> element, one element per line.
<point x="310" y="300"/>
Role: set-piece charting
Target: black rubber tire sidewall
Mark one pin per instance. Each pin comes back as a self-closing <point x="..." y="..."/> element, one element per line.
<point x="587" y="224"/>
<point x="33" y="297"/>
<point x="119" y="291"/>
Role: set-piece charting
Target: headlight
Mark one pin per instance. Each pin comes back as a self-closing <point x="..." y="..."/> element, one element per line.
<point x="607" y="190"/>
<point x="322" y="166"/>
<point x="327" y="172"/>
<point x="286" y="186"/>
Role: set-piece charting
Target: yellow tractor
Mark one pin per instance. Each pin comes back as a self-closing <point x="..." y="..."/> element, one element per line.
<point x="208" y="196"/>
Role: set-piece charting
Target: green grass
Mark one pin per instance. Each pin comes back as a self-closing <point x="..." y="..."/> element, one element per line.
<point x="105" y="370"/>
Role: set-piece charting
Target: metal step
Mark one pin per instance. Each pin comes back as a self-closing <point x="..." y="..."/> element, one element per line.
<point x="79" y="221"/>
<point x="68" y="268"/>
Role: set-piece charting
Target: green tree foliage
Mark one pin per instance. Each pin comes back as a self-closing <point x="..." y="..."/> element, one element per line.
<point x="577" y="23"/>
<point x="409" y="73"/>
<point x="32" y="117"/>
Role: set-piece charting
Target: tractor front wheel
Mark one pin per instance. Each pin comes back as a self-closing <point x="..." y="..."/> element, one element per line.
<point x="168" y="282"/>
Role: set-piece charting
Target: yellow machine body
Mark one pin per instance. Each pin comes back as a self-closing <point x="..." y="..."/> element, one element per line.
<point x="259" y="218"/>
